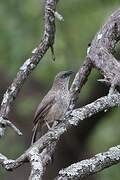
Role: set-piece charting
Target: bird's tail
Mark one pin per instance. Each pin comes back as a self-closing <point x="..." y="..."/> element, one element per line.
<point x="34" y="133"/>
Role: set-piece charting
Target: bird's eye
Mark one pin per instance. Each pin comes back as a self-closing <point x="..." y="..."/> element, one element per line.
<point x="65" y="75"/>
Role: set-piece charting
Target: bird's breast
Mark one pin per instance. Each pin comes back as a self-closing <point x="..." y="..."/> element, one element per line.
<point x="60" y="107"/>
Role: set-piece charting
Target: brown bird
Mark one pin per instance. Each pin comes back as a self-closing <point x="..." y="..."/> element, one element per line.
<point x="55" y="104"/>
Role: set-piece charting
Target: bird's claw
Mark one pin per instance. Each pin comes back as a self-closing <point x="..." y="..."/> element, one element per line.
<point x="48" y="126"/>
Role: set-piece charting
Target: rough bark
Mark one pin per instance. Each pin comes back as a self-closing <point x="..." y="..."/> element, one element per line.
<point x="100" y="56"/>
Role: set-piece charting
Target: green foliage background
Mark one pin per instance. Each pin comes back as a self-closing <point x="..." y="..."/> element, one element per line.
<point x="21" y="27"/>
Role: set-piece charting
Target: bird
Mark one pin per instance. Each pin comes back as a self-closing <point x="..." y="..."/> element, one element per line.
<point x="55" y="103"/>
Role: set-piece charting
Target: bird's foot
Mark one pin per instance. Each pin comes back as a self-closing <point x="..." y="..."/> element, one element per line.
<point x="48" y="126"/>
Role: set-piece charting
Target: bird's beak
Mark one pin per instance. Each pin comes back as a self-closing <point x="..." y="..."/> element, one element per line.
<point x="69" y="73"/>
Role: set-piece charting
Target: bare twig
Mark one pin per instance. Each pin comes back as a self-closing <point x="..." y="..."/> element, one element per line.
<point x="6" y="122"/>
<point x="30" y="64"/>
<point x="79" y="81"/>
<point x="91" y="166"/>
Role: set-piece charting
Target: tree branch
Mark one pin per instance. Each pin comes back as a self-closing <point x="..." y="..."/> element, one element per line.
<point x="36" y="164"/>
<point x="99" y="56"/>
<point x="91" y="166"/>
<point x="74" y="119"/>
<point x="4" y="123"/>
<point x="102" y="50"/>
<point x="31" y="63"/>
<point x="79" y="81"/>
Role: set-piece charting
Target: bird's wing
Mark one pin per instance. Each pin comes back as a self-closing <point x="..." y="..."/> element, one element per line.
<point x="44" y="107"/>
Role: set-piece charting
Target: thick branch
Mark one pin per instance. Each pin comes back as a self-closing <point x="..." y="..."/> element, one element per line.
<point x="36" y="164"/>
<point x="91" y="166"/>
<point x="102" y="48"/>
<point x="100" y="56"/>
<point x="39" y="161"/>
<point x="74" y="119"/>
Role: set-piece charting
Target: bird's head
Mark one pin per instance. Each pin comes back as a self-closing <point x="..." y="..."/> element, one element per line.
<point x="62" y="79"/>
